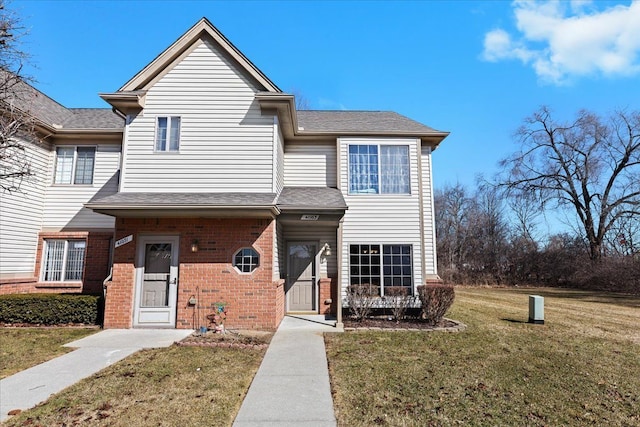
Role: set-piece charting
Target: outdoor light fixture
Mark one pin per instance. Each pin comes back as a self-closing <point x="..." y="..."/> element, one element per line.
<point x="194" y="246"/>
<point x="326" y="249"/>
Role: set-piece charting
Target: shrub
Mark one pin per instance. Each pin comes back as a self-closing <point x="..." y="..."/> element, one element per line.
<point x="436" y="300"/>
<point x="51" y="309"/>
<point x="361" y="299"/>
<point x="397" y="299"/>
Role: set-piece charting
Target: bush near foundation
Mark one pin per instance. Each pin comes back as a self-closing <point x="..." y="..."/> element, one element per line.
<point x="436" y="301"/>
<point x="51" y="309"/>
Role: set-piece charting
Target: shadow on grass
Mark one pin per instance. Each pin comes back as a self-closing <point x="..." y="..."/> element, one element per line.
<point x="623" y="300"/>
<point x="514" y="320"/>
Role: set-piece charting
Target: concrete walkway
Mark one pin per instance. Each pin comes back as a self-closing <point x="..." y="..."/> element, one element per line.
<point x="26" y="389"/>
<point x="291" y="387"/>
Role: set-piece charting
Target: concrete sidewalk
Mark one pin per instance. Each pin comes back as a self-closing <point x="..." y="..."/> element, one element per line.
<point x="291" y="387"/>
<point x="26" y="389"/>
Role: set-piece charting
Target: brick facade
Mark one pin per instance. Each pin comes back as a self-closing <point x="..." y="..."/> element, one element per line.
<point x="328" y="292"/>
<point x="96" y="266"/>
<point x="254" y="301"/>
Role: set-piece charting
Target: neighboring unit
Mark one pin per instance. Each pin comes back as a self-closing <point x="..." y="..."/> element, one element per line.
<point x="205" y="185"/>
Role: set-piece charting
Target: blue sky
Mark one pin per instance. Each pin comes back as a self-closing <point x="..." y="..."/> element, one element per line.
<point x="473" y="68"/>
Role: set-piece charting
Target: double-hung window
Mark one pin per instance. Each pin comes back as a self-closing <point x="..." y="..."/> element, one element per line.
<point x="167" y="133"/>
<point x="75" y="165"/>
<point x="383" y="266"/>
<point x="63" y="260"/>
<point x="379" y="169"/>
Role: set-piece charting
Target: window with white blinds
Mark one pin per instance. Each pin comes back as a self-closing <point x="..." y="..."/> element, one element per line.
<point x="63" y="260"/>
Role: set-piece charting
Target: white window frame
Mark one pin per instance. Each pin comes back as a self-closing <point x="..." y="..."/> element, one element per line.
<point x="74" y="164"/>
<point x="65" y="257"/>
<point x="167" y="143"/>
<point x="382" y="276"/>
<point x="379" y="171"/>
<point x="239" y="270"/>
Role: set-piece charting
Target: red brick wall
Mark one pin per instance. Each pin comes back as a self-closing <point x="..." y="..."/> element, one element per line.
<point x="328" y="292"/>
<point x="96" y="266"/>
<point x="254" y="301"/>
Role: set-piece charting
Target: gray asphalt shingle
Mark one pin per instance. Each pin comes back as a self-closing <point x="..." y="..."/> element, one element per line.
<point x="358" y="121"/>
<point x="311" y="198"/>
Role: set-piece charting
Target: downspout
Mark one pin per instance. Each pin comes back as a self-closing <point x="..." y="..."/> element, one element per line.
<point x="339" y="324"/>
<point x="104" y="283"/>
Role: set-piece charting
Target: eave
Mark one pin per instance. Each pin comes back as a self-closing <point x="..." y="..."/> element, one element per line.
<point x="284" y="106"/>
<point x="126" y="102"/>
<point x="182" y="211"/>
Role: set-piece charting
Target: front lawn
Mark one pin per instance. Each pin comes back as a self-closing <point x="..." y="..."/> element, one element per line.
<point x="22" y="348"/>
<point x="175" y="386"/>
<point x="582" y="367"/>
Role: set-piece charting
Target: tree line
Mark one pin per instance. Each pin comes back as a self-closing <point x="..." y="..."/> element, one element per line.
<point x="588" y="169"/>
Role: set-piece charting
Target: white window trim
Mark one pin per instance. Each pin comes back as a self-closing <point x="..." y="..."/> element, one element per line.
<point x="382" y="245"/>
<point x="233" y="261"/>
<point x="73" y="166"/>
<point x="379" y="193"/>
<point x="65" y="255"/>
<point x="168" y="141"/>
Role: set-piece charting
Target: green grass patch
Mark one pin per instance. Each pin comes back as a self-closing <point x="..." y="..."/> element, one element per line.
<point x="175" y="386"/>
<point x="22" y="348"/>
<point x="581" y="367"/>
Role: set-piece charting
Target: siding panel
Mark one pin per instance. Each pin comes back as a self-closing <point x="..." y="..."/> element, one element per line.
<point x="226" y="144"/>
<point x="21" y="214"/>
<point x="63" y="207"/>
<point x="379" y="218"/>
<point x="310" y="164"/>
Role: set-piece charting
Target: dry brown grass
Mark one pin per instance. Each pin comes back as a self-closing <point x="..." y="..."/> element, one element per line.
<point x="175" y="386"/>
<point x="580" y="368"/>
<point x="22" y="348"/>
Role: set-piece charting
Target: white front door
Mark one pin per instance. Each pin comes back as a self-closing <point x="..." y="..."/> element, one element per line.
<point x="301" y="286"/>
<point x="156" y="282"/>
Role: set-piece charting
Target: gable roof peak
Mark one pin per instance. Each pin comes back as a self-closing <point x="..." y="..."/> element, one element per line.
<point x="203" y="27"/>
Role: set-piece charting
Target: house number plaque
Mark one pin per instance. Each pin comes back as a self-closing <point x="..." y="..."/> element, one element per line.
<point x="124" y="241"/>
<point x="309" y="217"/>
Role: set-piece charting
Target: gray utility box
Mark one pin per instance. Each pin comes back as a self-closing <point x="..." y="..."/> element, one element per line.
<point x="536" y="309"/>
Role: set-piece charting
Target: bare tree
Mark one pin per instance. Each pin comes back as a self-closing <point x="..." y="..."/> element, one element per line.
<point x="16" y="124"/>
<point x="591" y="165"/>
<point x="302" y="102"/>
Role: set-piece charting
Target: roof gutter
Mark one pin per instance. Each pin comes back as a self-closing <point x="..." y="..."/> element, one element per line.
<point x="284" y="105"/>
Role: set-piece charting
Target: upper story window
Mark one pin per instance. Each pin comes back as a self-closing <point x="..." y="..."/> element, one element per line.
<point x="63" y="260"/>
<point x="379" y="169"/>
<point x="75" y="165"/>
<point x="168" y="133"/>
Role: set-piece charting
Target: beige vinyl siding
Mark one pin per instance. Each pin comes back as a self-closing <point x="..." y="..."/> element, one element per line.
<point x="310" y="164"/>
<point x="63" y="209"/>
<point x="226" y="144"/>
<point x="21" y="214"/>
<point x="278" y="158"/>
<point x="321" y="235"/>
<point x="431" y="267"/>
<point x="381" y="218"/>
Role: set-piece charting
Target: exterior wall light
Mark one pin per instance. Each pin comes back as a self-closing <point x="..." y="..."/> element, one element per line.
<point x="194" y="246"/>
<point x="326" y="249"/>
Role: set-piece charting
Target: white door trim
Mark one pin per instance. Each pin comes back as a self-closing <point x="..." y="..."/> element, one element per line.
<point x="144" y="317"/>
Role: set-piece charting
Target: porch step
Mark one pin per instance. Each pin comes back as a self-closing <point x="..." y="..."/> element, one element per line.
<point x="316" y="318"/>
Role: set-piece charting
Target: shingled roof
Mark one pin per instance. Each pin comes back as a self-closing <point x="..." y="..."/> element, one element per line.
<point x="358" y="121"/>
<point x="43" y="108"/>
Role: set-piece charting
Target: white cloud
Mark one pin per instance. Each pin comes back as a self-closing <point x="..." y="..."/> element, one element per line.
<point x="561" y="40"/>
